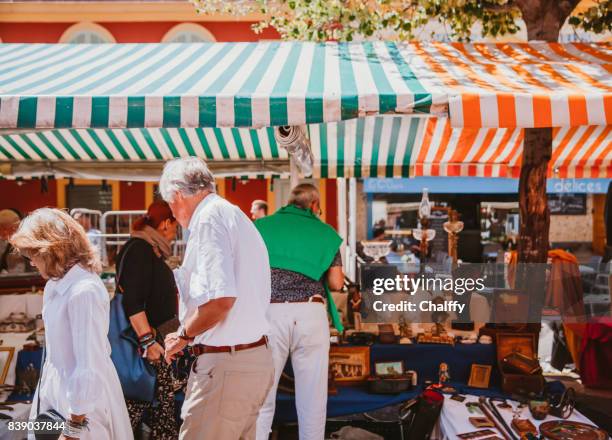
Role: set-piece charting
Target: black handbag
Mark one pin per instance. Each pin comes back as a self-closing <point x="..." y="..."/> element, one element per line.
<point x="49" y="424"/>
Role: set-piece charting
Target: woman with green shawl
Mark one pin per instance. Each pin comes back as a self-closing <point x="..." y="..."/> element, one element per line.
<point x="305" y="264"/>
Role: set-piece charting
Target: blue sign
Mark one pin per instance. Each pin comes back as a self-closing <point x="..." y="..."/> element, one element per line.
<point x="480" y="185"/>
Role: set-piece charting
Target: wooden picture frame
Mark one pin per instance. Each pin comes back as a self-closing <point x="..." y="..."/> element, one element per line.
<point x="6" y="356"/>
<point x="480" y="376"/>
<point x="389" y="368"/>
<point x="349" y="364"/>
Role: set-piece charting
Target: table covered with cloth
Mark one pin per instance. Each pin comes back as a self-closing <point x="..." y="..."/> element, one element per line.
<point x="425" y="359"/>
<point x="454" y="418"/>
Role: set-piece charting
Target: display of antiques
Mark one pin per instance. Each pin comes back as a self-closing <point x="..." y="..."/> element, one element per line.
<point x="523" y="427"/>
<point x="349" y="364"/>
<point x="405" y="331"/>
<point x="390" y="378"/>
<point x="492" y="414"/>
<point x="423" y="234"/>
<point x="480" y="375"/>
<point x="437" y="335"/>
<point x="443" y="374"/>
<point x="376" y="249"/>
<point x="17" y="323"/>
<point x="453" y="227"/>
<point x="481" y="422"/>
<point x="539" y="408"/>
<point x="360" y="338"/>
<point x="562" y="405"/>
<point x="509" y="306"/>
<point x="514" y="379"/>
<point x="386" y="334"/>
<point x="476" y="434"/>
<point x="568" y="430"/>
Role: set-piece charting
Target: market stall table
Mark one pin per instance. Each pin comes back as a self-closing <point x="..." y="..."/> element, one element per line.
<point x="425" y="359"/>
<point x="454" y="418"/>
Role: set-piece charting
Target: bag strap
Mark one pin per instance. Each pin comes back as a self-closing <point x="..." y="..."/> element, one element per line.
<point x="121" y="264"/>
<point x="44" y="357"/>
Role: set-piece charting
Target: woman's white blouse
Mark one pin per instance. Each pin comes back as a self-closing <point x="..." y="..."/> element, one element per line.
<point x="79" y="376"/>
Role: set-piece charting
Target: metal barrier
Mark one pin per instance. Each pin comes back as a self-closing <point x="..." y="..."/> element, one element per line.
<point x="116" y="227"/>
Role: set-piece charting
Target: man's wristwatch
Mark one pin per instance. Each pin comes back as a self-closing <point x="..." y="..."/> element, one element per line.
<point x="182" y="334"/>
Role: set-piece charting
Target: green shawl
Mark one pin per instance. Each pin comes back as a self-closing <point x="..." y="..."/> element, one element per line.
<point x="298" y="241"/>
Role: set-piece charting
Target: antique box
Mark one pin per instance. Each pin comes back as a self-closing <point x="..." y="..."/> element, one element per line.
<point x="386" y="334"/>
<point x="507" y="344"/>
<point x="390" y="384"/>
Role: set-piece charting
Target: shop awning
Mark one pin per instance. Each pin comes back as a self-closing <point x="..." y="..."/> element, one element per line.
<point x="523" y="84"/>
<point x="207" y="85"/>
<point x="139" y="153"/>
<point x="577" y="152"/>
<point x="47" y="86"/>
<point x="375" y="146"/>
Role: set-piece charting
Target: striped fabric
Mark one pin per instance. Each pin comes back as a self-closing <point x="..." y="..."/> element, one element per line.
<point x="578" y="152"/>
<point x="524" y="84"/>
<point x="294" y="83"/>
<point x="381" y="146"/>
<point x="206" y="85"/>
<point x="140" y="144"/>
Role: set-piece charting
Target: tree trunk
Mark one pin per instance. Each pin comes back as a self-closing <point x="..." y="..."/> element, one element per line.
<point x="533" y="202"/>
<point x="544" y="18"/>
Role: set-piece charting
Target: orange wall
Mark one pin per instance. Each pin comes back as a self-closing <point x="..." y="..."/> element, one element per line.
<point x="146" y="32"/>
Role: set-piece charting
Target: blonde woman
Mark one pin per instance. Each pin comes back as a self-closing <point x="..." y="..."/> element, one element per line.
<point x="79" y="380"/>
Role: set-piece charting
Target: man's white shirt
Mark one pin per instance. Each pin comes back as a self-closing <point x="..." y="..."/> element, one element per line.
<point x="225" y="257"/>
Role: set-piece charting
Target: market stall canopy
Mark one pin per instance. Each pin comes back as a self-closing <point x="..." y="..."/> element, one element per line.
<point x="47" y="86"/>
<point x="139" y="153"/>
<point x="375" y="146"/>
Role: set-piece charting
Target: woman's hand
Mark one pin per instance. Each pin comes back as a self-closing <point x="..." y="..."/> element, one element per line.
<point x="155" y="352"/>
<point x="63" y="437"/>
<point x="174" y="345"/>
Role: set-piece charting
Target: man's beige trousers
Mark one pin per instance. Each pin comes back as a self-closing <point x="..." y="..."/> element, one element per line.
<point x="224" y="394"/>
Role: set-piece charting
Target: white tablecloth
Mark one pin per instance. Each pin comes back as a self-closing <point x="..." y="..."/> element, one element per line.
<point x="454" y="418"/>
<point x="28" y="303"/>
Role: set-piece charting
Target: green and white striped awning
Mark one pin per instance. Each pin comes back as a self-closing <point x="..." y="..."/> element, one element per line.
<point x="255" y="85"/>
<point x="365" y="147"/>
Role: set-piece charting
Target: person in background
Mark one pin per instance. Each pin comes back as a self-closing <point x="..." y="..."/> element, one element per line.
<point x="94" y="235"/>
<point x="224" y="286"/>
<point x="304" y="257"/>
<point x="149" y="301"/>
<point x="10" y="262"/>
<point x="78" y="378"/>
<point x="259" y="209"/>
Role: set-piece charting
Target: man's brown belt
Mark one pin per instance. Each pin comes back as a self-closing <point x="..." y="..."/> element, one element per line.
<point x="314" y="299"/>
<point x="198" y="349"/>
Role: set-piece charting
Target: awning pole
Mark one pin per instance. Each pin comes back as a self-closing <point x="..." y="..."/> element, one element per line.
<point x="341" y="185"/>
<point x="352" y="233"/>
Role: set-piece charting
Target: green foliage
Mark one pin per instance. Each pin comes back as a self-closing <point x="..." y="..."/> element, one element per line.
<point x="347" y="20"/>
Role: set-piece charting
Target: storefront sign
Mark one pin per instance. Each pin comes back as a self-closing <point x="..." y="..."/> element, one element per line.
<point x="480" y="185"/>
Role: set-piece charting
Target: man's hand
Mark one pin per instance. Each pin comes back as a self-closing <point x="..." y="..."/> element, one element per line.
<point x="174" y="345"/>
<point x="155" y="352"/>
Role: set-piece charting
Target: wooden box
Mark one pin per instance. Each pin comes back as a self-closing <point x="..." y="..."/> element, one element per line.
<point x="525" y="344"/>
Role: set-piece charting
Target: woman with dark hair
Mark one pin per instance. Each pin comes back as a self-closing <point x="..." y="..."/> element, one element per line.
<point x="149" y="301"/>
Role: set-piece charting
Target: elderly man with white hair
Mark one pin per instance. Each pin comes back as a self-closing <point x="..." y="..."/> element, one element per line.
<point x="224" y="294"/>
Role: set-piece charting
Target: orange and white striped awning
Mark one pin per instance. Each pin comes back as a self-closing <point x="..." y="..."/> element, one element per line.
<point x="506" y="85"/>
<point x="577" y="152"/>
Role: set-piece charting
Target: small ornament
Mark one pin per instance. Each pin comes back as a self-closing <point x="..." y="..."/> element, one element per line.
<point x="443" y="374"/>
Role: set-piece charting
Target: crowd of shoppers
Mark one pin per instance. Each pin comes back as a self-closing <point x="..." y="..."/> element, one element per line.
<point x="248" y="294"/>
